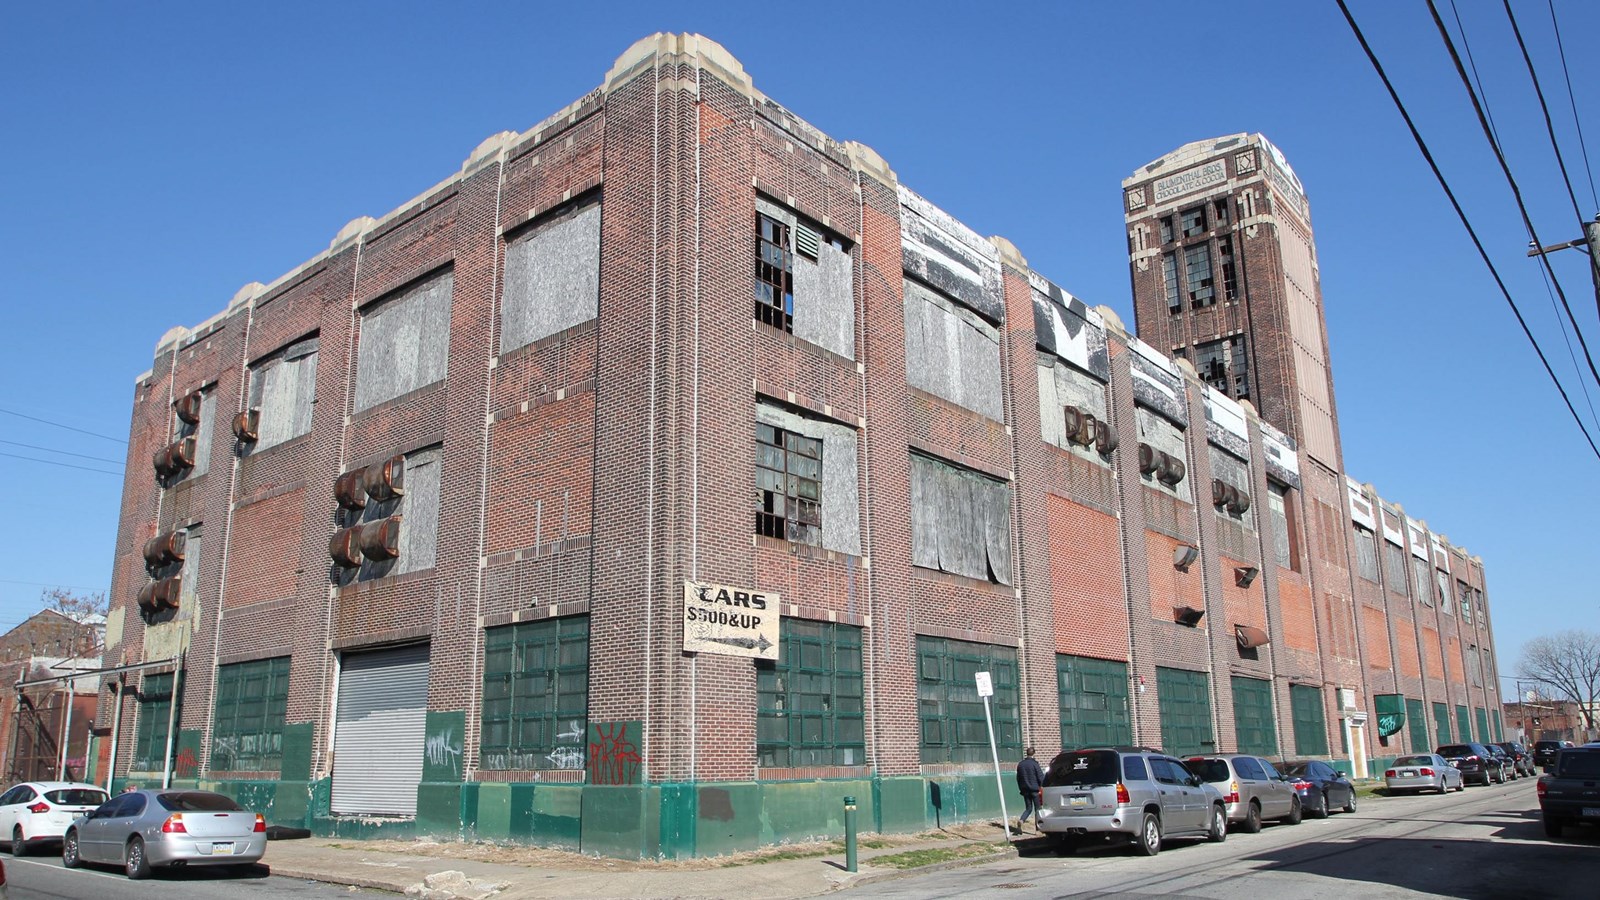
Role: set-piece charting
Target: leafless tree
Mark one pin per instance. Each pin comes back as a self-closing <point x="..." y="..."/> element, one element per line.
<point x="88" y="610"/>
<point x="1568" y="665"/>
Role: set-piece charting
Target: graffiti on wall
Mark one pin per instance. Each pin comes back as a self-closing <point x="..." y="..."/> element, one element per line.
<point x="615" y="757"/>
<point x="444" y="751"/>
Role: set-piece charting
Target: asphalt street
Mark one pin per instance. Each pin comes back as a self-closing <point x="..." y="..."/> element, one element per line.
<point x="43" y="878"/>
<point x="1484" y="843"/>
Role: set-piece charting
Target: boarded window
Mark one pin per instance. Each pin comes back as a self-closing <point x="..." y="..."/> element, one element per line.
<point x="1419" y="574"/>
<point x="1094" y="702"/>
<point x="536" y="694"/>
<point x="200" y="431"/>
<point x="1394" y="568"/>
<point x="283" y="388"/>
<point x="248" y="732"/>
<point x="804" y="279"/>
<point x="1442" y="583"/>
<point x="960" y="521"/>
<point x="949" y="708"/>
<point x="418" y="511"/>
<point x="1366" y="554"/>
<point x="806" y="480"/>
<point x="552" y="278"/>
<point x="809" y="702"/>
<point x="405" y="342"/>
<point x="951" y="351"/>
<point x="1278" y="512"/>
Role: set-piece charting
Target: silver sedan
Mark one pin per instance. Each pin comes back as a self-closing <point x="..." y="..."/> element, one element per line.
<point x="140" y="830"/>
<point x="1423" y="772"/>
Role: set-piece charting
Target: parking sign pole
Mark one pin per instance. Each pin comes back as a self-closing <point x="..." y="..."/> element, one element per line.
<point x="986" y="690"/>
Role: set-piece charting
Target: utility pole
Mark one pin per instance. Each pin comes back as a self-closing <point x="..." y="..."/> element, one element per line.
<point x="1590" y="242"/>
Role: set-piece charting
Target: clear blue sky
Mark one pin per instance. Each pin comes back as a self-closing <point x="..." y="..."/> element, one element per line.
<point x="158" y="156"/>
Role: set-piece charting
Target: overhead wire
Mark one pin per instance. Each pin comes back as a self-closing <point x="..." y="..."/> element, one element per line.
<point x="115" y="462"/>
<point x="1461" y="214"/>
<point x="51" y="462"/>
<point x="104" y="437"/>
<point x="1570" y="352"/>
<point x="1516" y="191"/>
<point x="1573" y="99"/>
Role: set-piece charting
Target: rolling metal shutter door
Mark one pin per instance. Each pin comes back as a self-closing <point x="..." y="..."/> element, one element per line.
<point x="379" y="731"/>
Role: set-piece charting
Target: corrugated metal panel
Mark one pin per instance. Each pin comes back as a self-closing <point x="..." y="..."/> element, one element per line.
<point x="380" y="731"/>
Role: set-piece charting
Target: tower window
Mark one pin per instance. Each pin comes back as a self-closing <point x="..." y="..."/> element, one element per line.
<point x="1230" y="281"/>
<point x="1169" y="271"/>
<point x="1197" y="275"/>
<point x="774" y="274"/>
<point x="1221" y="207"/>
<point x="1193" y="221"/>
<point x="1166" y="229"/>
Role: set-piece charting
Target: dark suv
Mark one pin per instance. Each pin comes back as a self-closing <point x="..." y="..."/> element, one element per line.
<point x="1475" y="762"/>
<point x="1521" y="758"/>
<point x="1544" y="752"/>
<point x="1130" y="792"/>
<point x="1570" y="792"/>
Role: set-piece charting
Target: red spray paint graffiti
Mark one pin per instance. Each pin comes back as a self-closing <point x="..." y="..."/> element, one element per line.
<point x="185" y="766"/>
<point x="614" y="757"/>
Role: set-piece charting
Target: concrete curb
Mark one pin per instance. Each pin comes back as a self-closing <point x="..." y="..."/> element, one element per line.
<point x="894" y="874"/>
<point x="352" y="880"/>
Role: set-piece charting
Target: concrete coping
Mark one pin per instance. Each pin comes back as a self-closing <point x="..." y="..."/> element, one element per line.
<point x="1111" y="319"/>
<point x="866" y="160"/>
<point x="1009" y="254"/>
<point x="701" y="50"/>
<point x="246" y="293"/>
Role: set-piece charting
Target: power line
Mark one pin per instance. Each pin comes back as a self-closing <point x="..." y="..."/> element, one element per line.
<point x="115" y="462"/>
<point x="1549" y="124"/>
<point x="59" y="425"/>
<point x="75" y="587"/>
<point x="51" y="462"/>
<point x="1461" y="214"/>
<point x="1516" y="192"/>
<point x="1570" y="353"/>
<point x="1463" y="29"/>
<point x="1572" y="98"/>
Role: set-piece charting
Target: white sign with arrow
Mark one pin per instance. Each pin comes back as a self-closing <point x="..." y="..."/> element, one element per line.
<point x="730" y="621"/>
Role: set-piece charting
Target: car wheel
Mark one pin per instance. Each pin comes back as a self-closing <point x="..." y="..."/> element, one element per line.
<point x="1350" y="805"/>
<point x="137" y="865"/>
<point x="19" y="844"/>
<point x="1296" y="813"/>
<point x="1321" y="810"/>
<point x="69" y="850"/>
<point x="1552" y="827"/>
<point x="1218" y="832"/>
<point x="1252" y="819"/>
<point x="1149" y="840"/>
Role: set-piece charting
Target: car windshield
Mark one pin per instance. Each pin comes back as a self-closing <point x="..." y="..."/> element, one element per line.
<point x="1579" y="765"/>
<point x="1084" y="767"/>
<point x="76" y="797"/>
<point x="1295" y="770"/>
<point x="1210" y="769"/>
<point x="1414" y="761"/>
<point x="1546" y="745"/>
<point x="196" y="801"/>
<point x="1455" y="750"/>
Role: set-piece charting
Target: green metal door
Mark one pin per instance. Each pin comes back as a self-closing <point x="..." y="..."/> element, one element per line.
<point x="1184" y="699"/>
<point x="1417" y="728"/>
<point x="1310" y="724"/>
<point x="1482" y="716"/>
<point x="1441" y="723"/>
<point x="1464" y="723"/>
<point x="1094" y="702"/>
<point x="1252" y="716"/>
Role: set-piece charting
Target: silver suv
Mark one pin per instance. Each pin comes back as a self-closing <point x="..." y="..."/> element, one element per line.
<point x="1252" y="789"/>
<point x="1135" y="793"/>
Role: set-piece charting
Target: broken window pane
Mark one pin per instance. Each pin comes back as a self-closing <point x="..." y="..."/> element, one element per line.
<point x="1193" y="221"/>
<point x="1197" y="275"/>
<point x="1169" y="274"/>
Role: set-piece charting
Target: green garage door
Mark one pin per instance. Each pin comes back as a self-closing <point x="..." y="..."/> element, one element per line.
<point x="1484" y="735"/>
<point x="1498" y="734"/>
<point x="1417" y="728"/>
<point x="1252" y="716"/>
<point x="1094" y="702"/>
<point x="1464" y="723"/>
<point x="1184" y="698"/>
<point x="1441" y="723"/>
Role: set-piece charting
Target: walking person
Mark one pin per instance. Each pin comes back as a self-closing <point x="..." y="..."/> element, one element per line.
<point x="1030" y="782"/>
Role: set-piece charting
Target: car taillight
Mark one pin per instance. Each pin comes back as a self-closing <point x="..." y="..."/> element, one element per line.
<point x="40" y="807"/>
<point x="1473" y="758"/>
<point x="1540" y="788"/>
<point x="1389" y="773"/>
<point x="1122" y="794"/>
<point x="1426" y="771"/>
<point x="1300" y="784"/>
<point x="1233" y="793"/>
<point x="261" y="823"/>
<point x="174" y="824"/>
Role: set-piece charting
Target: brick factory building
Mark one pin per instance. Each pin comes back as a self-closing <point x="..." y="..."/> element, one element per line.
<point x="666" y="474"/>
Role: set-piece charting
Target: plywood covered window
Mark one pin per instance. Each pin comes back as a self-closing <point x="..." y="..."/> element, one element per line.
<point x="960" y="521"/>
<point x="1280" y="518"/>
<point x="1419" y="574"/>
<point x="1366" y="554"/>
<point x="552" y="277"/>
<point x="804" y="279"/>
<point x="809" y="702"/>
<point x="952" y="351"/>
<point x="536" y="694"/>
<point x="247" y="734"/>
<point x="1394" y="568"/>
<point x="283" y="388"/>
<point x="405" y="341"/>
<point x="948" y="705"/>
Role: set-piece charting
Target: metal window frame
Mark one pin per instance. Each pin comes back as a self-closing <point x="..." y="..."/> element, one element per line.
<point x="515" y="706"/>
<point x="948" y="699"/>
<point x="1076" y="680"/>
<point x="800" y="690"/>
<point x="1310" y="720"/>
<point x="259" y="692"/>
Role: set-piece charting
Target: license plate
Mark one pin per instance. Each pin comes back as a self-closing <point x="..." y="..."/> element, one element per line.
<point x="1408" y="773"/>
<point x="225" y="849"/>
<point x="1591" y="810"/>
<point x="1079" y="801"/>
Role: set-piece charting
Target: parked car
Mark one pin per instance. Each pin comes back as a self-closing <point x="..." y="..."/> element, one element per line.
<point x="1569" y="792"/>
<point x="1423" y="772"/>
<point x="141" y="830"/>
<point x="1521" y="758"/>
<point x="1475" y="762"/>
<point x="1251" y="789"/>
<point x="1544" y="752"/>
<point x="38" y="812"/>
<point x="1321" y="787"/>
<point x="1508" y="764"/>
<point x="1128" y="792"/>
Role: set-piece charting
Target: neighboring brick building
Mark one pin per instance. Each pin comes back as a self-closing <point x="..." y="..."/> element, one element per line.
<point x="475" y="522"/>
<point x="42" y="648"/>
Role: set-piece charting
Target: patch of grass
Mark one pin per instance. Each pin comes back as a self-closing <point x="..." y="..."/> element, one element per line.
<point x="876" y="844"/>
<point x="913" y="859"/>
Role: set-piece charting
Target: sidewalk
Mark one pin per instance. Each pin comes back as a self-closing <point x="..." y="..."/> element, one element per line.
<point x="422" y="868"/>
